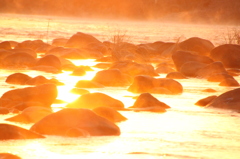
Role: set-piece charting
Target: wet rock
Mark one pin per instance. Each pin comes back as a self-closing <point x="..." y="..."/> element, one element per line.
<point x="228" y="54"/>
<point x="78" y="72"/>
<point x="72" y="53"/>
<point x="9" y="132"/>
<point x="59" y="42"/>
<point x="229" y="82"/>
<point x="112" y="77"/>
<point x="71" y="118"/>
<point x="5" y="45"/>
<point x="4" y="110"/>
<point x="79" y="91"/>
<point x="45" y="94"/>
<point x="25" y="50"/>
<point x="17" y="78"/>
<point x="81" y="40"/>
<point x="205" y="101"/>
<point x="181" y="57"/>
<point x="209" y="90"/>
<point x="190" y="68"/>
<point x="172" y="85"/>
<point x="164" y="69"/>
<point x="97" y="99"/>
<point x="143" y="84"/>
<point x="24" y="105"/>
<point x="198" y="45"/>
<point x="8" y="156"/>
<point x="228" y="100"/>
<point x="48" y="69"/>
<point x="31" y="115"/>
<point x="211" y="69"/>
<point x="110" y="114"/>
<point x="4" y="53"/>
<point x="50" y="60"/>
<point x="176" y="75"/>
<point x="134" y="69"/>
<point x="147" y="102"/>
<point x="88" y="84"/>
<point x="218" y="77"/>
<point x="18" y="60"/>
<point x="32" y="44"/>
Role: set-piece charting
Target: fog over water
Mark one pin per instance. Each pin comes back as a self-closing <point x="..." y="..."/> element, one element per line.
<point x="184" y="131"/>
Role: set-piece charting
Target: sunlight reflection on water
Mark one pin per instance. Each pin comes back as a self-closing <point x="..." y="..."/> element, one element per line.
<point x="184" y="131"/>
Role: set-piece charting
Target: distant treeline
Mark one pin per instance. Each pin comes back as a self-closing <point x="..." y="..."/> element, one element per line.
<point x="208" y="11"/>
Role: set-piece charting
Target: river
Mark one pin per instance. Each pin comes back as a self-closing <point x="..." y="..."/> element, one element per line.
<point x="185" y="131"/>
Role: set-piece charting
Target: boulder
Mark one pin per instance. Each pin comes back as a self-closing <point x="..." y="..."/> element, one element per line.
<point x="9" y="132"/>
<point x="228" y="54"/>
<point x="229" y="82"/>
<point x="31" y="115"/>
<point x="141" y="84"/>
<point x="110" y="114"/>
<point x="112" y="77"/>
<point x="31" y="44"/>
<point x="8" y="156"/>
<point x="17" y="78"/>
<point x="45" y="94"/>
<point x="205" y="101"/>
<point x="181" y="57"/>
<point x="198" y="45"/>
<point x="79" y="91"/>
<point x="88" y="84"/>
<point x="78" y="72"/>
<point x="25" y="50"/>
<point x="50" y="60"/>
<point x="190" y="68"/>
<point x="4" y="53"/>
<point x="4" y="111"/>
<point x="164" y="69"/>
<point x="134" y="69"/>
<point x="81" y="40"/>
<point x="211" y="69"/>
<point x="65" y="120"/>
<point x="218" y="77"/>
<point x="176" y="75"/>
<point x="24" y="105"/>
<point x="18" y="60"/>
<point x="48" y="69"/>
<point x="5" y="45"/>
<point x="147" y="102"/>
<point x="209" y="90"/>
<point x="172" y="85"/>
<point x="228" y="100"/>
<point x="59" y="42"/>
<point x="93" y="100"/>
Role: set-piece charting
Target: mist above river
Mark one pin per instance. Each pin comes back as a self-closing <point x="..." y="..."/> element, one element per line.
<point x="184" y="11"/>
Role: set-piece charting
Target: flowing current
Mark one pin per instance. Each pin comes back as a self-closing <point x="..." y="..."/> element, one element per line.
<point x="185" y="131"/>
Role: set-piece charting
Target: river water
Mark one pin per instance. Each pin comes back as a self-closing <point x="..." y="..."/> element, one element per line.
<point x="185" y="131"/>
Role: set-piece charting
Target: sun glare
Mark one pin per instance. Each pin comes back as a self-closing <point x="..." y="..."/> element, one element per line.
<point x="64" y="92"/>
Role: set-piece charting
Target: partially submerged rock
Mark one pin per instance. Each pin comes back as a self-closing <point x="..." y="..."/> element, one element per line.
<point x="142" y="84"/>
<point x="110" y="114"/>
<point x="14" y="132"/>
<point x="45" y="94"/>
<point x="65" y="120"/>
<point x="97" y="99"/>
<point x="31" y="115"/>
<point x="147" y="102"/>
<point x="205" y="101"/>
<point x="228" y="100"/>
